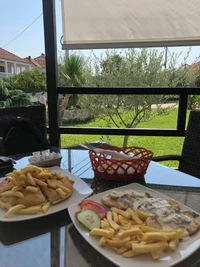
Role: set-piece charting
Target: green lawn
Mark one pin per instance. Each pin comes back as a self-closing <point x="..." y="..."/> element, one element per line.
<point x="159" y="145"/>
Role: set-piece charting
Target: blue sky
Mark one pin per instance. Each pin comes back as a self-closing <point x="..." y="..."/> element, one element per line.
<point x="16" y="15"/>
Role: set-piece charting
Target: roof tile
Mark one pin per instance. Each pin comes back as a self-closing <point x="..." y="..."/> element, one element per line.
<point x="4" y="54"/>
<point x="41" y="60"/>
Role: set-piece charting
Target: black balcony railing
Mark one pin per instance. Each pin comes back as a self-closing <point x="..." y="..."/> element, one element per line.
<point x="53" y="92"/>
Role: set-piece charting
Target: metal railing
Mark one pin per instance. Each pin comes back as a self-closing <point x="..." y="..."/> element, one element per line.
<point x="183" y="94"/>
<point x="4" y="74"/>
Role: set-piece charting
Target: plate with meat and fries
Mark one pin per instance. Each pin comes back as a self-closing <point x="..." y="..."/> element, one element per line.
<point x="133" y="225"/>
<point x="33" y="192"/>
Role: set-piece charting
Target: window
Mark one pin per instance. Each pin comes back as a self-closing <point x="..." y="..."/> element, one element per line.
<point x="2" y="69"/>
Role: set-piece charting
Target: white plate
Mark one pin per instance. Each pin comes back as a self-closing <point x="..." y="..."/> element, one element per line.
<point x="80" y="191"/>
<point x="184" y="250"/>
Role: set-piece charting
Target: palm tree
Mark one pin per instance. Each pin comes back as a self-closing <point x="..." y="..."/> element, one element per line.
<point x="71" y="74"/>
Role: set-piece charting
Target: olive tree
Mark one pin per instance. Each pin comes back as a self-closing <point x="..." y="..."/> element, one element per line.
<point x="135" y="69"/>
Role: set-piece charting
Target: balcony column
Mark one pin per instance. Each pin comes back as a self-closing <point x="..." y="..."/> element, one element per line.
<point x="6" y="67"/>
<point x="15" y="68"/>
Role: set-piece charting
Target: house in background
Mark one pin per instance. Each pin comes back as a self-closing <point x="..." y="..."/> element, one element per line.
<point x="11" y="64"/>
<point x="37" y="63"/>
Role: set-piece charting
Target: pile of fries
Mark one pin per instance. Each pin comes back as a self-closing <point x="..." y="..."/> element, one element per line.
<point x="31" y="179"/>
<point x="126" y="233"/>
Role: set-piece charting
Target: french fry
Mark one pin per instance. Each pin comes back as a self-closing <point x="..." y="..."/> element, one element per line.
<point x="126" y="214"/>
<point x="10" y="193"/>
<point x="155" y="255"/>
<point x="33" y="189"/>
<point x="14" y="180"/>
<point x="13" y="210"/>
<point x="30" y="210"/>
<point x="39" y="182"/>
<point x="134" y="231"/>
<point x="142" y="215"/>
<point x="115" y="217"/>
<point x="30" y="168"/>
<point x="173" y="244"/>
<point x="52" y="183"/>
<point x="111" y="222"/>
<point x="149" y="248"/>
<point x="45" y="174"/>
<point x="172" y="235"/>
<point x="118" y="242"/>
<point x="8" y="205"/>
<point x="155" y="236"/>
<point x="130" y="254"/>
<point x="122" y="249"/>
<point x="128" y="244"/>
<point x="46" y="206"/>
<point x="102" y="241"/>
<point x="122" y="220"/>
<point x="18" y="182"/>
<point x="57" y="175"/>
<point x="134" y="216"/>
<point x="30" y="179"/>
<point x="65" y="189"/>
<point x="104" y="224"/>
<point x="126" y="226"/>
<point x="146" y="228"/>
<point x="16" y="188"/>
<point x="22" y="177"/>
<point x="61" y="192"/>
<point x="2" y="205"/>
<point x="9" y="175"/>
<point x="100" y="232"/>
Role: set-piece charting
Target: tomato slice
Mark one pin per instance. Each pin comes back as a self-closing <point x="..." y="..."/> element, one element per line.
<point x="87" y="204"/>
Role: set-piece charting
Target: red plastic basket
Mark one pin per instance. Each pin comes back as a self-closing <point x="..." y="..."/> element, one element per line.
<point x="105" y="167"/>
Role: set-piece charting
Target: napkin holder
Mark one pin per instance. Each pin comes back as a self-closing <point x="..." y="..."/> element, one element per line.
<point x="45" y="159"/>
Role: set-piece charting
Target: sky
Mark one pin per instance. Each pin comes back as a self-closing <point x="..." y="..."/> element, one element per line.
<point x="17" y="15"/>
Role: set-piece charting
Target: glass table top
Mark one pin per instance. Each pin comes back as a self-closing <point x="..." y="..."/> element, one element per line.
<point x="54" y="241"/>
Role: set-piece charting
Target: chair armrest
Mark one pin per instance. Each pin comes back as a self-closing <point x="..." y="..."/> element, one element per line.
<point x="167" y="157"/>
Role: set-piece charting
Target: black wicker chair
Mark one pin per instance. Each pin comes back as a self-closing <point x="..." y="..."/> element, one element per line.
<point x="189" y="160"/>
<point x="37" y="114"/>
<point x="19" y="135"/>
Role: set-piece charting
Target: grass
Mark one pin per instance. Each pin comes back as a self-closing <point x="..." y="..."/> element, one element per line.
<point x="159" y="145"/>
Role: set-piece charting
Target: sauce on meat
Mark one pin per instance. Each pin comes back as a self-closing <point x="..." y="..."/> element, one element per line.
<point x="168" y="215"/>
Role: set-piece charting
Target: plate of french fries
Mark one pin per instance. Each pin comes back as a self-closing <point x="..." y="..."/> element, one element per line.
<point x="126" y="240"/>
<point x="33" y="192"/>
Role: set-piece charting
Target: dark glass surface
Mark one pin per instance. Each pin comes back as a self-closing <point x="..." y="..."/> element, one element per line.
<point x="54" y="241"/>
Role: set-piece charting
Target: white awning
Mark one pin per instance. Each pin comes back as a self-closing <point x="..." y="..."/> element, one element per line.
<point x="94" y="24"/>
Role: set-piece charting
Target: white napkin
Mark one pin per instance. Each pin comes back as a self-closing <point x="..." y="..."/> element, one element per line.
<point x="39" y="156"/>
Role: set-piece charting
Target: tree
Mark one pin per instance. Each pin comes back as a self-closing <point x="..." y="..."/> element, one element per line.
<point x="9" y="96"/>
<point x="19" y="98"/>
<point x="3" y="93"/>
<point x="30" y="81"/>
<point x="132" y="68"/>
<point x="70" y="74"/>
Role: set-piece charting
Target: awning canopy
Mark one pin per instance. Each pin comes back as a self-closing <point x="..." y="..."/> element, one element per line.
<point x="94" y="24"/>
